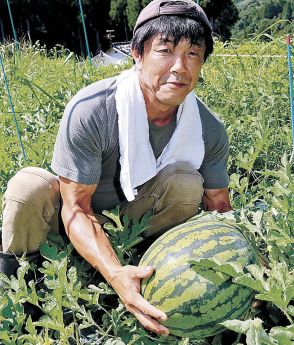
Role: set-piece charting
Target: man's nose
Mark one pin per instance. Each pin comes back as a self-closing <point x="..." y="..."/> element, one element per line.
<point x="178" y="64"/>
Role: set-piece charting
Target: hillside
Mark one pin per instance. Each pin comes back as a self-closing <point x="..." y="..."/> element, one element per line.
<point x="263" y="17"/>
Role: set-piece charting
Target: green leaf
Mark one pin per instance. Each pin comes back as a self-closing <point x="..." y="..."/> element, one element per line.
<point x="7" y="309"/>
<point x="248" y="281"/>
<point x="114" y="216"/>
<point x="256" y="335"/>
<point x="217" y="278"/>
<point x="289" y="293"/>
<point x="237" y="325"/>
<point x="290" y="310"/>
<point x="48" y="252"/>
<point x="274" y="296"/>
<point x="30" y="326"/>
<point x="33" y="296"/>
<point x="256" y="271"/>
<point x="231" y="269"/>
<point x="47" y="322"/>
<point x="114" y="342"/>
<point x="5" y="337"/>
<point x="283" y="335"/>
<point x="62" y="255"/>
<point x="4" y="279"/>
<point x="209" y="263"/>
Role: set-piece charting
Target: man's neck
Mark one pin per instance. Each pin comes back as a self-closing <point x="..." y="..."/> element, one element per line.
<point x="158" y="113"/>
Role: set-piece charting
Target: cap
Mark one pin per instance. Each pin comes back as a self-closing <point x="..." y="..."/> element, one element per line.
<point x="185" y="8"/>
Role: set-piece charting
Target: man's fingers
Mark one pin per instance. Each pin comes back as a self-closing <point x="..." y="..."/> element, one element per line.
<point x="142" y="272"/>
<point x="148" y="309"/>
<point x="147" y="322"/>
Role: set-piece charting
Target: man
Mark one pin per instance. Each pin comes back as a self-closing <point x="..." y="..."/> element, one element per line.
<point x="142" y="141"/>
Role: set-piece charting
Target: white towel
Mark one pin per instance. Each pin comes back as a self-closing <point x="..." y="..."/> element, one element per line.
<point x="137" y="160"/>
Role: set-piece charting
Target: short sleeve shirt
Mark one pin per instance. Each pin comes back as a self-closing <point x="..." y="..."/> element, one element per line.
<point x="87" y="147"/>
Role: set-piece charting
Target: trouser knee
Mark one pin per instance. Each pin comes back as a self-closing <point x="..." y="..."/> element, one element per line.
<point x="173" y="195"/>
<point x="30" y="210"/>
<point x="178" y="184"/>
<point x="177" y="198"/>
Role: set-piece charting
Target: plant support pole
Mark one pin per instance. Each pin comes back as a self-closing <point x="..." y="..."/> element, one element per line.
<point x="291" y="90"/>
<point x="85" y="31"/>
<point x="12" y="24"/>
<point x="12" y="108"/>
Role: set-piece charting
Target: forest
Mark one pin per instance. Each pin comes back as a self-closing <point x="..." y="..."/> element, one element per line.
<point x="270" y="17"/>
<point x="59" y="22"/>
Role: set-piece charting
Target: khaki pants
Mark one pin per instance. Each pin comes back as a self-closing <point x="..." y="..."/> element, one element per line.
<point x="32" y="203"/>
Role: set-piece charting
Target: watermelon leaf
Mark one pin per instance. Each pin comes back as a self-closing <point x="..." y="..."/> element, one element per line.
<point x="114" y="216"/>
<point x="209" y="269"/>
<point x="30" y="327"/>
<point x="289" y="293"/>
<point x="209" y="263"/>
<point x="283" y="335"/>
<point x="48" y="252"/>
<point x="125" y="234"/>
<point x="256" y="271"/>
<point x="237" y="325"/>
<point x="217" y="278"/>
<point x="290" y="310"/>
<point x="216" y="271"/>
<point x="248" y="281"/>
<point x="255" y="334"/>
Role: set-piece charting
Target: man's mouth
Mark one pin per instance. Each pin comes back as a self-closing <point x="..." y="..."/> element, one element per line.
<point x="176" y="84"/>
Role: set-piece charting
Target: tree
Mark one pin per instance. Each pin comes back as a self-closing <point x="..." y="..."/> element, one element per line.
<point x="222" y="13"/>
<point x="58" y="22"/>
<point x="264" y="16"/>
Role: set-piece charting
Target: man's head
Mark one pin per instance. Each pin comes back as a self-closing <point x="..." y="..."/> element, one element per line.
<point x="173" y="19"/>
<point x="172" y="39"/>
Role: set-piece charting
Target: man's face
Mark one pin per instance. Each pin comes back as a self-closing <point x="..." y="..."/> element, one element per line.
<point x="167" y="72"/>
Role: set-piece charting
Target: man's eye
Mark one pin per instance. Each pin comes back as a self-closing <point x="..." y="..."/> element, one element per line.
<point x="165" y="50"/>
<point x="193" y="53"/>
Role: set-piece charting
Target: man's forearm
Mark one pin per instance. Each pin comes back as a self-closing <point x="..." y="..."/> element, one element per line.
<point x="89" y="239"/>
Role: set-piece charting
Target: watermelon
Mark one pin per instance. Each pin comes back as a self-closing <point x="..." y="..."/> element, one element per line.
<point x="195" y="305"/>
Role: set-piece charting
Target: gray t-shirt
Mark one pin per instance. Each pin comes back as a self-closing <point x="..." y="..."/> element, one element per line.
<point x="87" y="148"/>
<point x="159" y="136"/>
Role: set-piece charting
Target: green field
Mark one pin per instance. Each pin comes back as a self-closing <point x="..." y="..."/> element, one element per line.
<point x="247" y="86"/>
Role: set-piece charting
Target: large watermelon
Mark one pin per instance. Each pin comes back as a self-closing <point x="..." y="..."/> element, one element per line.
<point x="194" y="305"/>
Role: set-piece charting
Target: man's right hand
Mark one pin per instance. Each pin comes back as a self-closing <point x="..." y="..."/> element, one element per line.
<point x="126" y="282"/>
<point x="90" y="241"/>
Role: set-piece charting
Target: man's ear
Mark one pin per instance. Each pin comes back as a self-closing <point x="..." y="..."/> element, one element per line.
<point x="137" y="58"/>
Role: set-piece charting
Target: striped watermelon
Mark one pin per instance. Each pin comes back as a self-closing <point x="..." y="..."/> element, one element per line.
<point x="193" y="304"/>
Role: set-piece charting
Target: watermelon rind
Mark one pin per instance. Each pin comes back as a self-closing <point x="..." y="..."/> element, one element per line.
<point x="196" y="306"/>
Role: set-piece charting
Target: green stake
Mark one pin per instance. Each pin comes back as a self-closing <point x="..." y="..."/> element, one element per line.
<point x="12" y="24"/>
<point x="12" y="108"/>
<point x="85" y="31"/>
<point x="291" y="89"/>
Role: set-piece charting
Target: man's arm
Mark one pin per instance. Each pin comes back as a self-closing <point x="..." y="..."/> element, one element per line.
<point x="216" y="199"/>
<point x="91" y="242"/>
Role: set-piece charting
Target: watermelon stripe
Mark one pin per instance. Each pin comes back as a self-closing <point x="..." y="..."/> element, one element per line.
<point x="200" y="319"/>
<point x="187" y="240"/>
<point x="207" y="329"/>
<point x="184" y="294"/>
<point x="172" y="236"/>
<point x="198" y="246"/>
<point x="206" y="324"/>
<point x="155" y="283"/>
